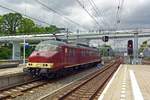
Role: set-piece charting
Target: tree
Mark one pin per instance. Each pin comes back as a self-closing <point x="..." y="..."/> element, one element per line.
<point x="10" y="22"/>
<point x="106" y="50"/>
<point x="13" y="23"/>
<point x="39" y="29"/>
<point x="1" y="24"/>
<point x="52" y="29"/>
<point x="5" y="53"/>
<point x="143" y="46"/>
<point x="27" y="26"/>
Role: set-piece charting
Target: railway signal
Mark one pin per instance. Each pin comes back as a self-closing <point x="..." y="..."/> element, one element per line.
<point x="130" y="47"/>
<point x="105" y="38"/>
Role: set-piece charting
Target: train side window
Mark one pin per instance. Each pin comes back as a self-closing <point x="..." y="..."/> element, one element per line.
<point x="73" y="51"/>
<point x="69" y="52"/>
<point x="82" y="52"/>
<point x="87" y="52"/>
<point x="90" y="53"/>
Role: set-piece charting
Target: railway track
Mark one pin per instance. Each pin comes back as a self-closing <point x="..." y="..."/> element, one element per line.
<point x="20" y="89"/>
<point x="12" y="92"/>
<point x="88" y="88"/>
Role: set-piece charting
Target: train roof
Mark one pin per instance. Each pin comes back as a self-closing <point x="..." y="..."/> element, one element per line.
<point x="54" y="42"/>
<point x="78" y="45"/>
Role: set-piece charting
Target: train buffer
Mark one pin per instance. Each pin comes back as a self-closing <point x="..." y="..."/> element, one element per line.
<point x="130" y="82"/>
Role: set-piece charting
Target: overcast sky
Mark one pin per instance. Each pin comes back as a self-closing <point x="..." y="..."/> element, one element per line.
<point x="134" y="14"/>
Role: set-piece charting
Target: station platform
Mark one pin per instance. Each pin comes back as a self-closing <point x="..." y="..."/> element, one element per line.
<point x="130" y="82"/>
<point x="9" y="71"/>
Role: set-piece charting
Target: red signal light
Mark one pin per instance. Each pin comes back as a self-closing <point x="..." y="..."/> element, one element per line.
<point x="130" y="47"/>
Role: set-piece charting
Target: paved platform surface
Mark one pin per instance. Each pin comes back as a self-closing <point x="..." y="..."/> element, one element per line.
<point x="130" y="82"/>
<point x="9" y="71"/>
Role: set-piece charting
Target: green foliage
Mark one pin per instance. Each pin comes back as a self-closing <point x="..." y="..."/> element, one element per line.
<point x="28" y="51"/>
<point x="38" y="29"/>
<point x="145" y="42"/>
<point x="5" y="53"/>
<point x="1" y="32"/>
<point x="106" y="50"/>
<point x="27" y="26"/>
<point x="143" y="46"/>
<point x="52" y="29"/>
<point x="10" y="22"/>
<point x="14" y="23"/>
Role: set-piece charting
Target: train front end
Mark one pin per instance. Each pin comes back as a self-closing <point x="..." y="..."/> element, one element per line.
<point x="41" y="61"/>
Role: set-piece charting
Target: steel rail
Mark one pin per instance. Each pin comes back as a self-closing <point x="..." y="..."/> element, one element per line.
<point x="74" y="88"/>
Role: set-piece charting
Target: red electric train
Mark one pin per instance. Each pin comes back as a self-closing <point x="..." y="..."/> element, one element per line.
<point x="51" y="57"/>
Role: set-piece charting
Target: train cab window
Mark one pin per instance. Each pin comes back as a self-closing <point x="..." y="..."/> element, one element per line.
<point x="44" y="46"/>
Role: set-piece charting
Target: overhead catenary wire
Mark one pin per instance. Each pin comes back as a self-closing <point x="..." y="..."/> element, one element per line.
<point x="94" y="19"/>
<point x="121" y="8"/>
<point x="119" y="11"/>
<point x="62" y="15"/>
<point x="118" y="19"/>
<point x="96" y="12"/>
<point x="99" y="13"/>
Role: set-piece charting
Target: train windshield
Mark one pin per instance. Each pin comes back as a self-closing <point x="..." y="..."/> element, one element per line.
<point x="45" y="46"/>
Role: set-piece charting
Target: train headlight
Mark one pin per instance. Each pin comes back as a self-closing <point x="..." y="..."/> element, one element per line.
<point x="29" y="64"/>
<point x="47" y="65"/>
<point x="40" y="65"/>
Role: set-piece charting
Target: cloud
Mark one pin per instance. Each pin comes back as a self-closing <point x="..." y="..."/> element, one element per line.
<point x="134" y="13"/>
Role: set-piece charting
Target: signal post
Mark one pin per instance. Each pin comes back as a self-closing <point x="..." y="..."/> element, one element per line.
<point x="130" y="50"/>
<point x="135" y="53"/>
<point x="133" y="49"/>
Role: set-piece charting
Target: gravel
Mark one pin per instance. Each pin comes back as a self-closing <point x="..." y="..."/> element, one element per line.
<point x="50" y="87"/>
